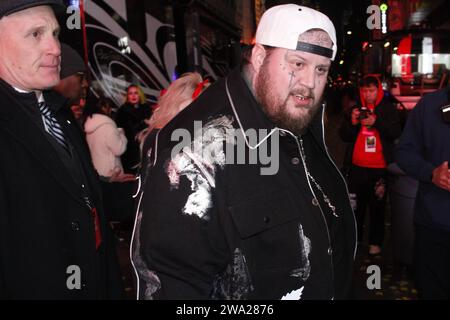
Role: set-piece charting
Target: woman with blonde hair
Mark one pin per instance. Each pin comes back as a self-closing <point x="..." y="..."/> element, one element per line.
<point x="177" y="97"/>
<point x="131" y="117"/>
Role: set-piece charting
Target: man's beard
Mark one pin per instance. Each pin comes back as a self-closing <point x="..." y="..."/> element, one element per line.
<point x="276" y="110"/>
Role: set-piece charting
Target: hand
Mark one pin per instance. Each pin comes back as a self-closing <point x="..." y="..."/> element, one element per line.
<point x="355" y="116"/>
<point x="119" y="176"/>
<point x="441" y="176"/>
<point x="369" y="121"/>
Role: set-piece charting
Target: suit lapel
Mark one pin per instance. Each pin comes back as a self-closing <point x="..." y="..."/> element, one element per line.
<point x="73" y="134"/>
<point x="26" y="132"/>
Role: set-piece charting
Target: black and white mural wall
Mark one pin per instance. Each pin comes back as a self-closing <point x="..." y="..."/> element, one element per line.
<point x="127" y="47"/>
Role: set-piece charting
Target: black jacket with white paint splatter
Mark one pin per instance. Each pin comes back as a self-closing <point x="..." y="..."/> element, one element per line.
<point x="210" y="227"/>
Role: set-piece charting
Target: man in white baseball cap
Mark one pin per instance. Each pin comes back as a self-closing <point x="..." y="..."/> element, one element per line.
<point x="282" y="25"/>
<point x="213" y="228"/>
<point x="301" y="41"/>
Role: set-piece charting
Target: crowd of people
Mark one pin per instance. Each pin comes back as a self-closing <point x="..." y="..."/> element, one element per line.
<point x="205" y="225"/>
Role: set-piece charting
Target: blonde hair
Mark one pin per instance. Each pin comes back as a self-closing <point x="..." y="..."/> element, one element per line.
<point x="177" y="97"/>
<point x="142" y="97"/>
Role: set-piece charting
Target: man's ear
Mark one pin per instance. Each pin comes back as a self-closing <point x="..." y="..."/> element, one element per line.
<point x="258" y="56"/>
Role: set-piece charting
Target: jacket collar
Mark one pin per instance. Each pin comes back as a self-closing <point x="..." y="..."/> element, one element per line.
<point x="30" y="101"/>
<point x="15" y="120"/>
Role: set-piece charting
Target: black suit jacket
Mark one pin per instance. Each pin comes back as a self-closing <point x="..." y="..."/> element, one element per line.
<point x="46" y="228"/>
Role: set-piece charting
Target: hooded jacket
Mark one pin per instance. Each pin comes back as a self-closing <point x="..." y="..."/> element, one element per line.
<point x="387" y="125"/>
<point x="209" y="227"/>
<point x="106" y="143"/>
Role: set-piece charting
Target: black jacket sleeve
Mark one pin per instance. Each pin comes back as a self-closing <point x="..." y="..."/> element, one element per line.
<point x="409" y="152"/>
<point x="388" y="121"/>
<point x="183" y="244"/>
<point x="118" y="200"/>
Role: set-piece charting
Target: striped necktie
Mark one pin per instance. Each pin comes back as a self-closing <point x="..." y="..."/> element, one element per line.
<point x="51" y="125"/>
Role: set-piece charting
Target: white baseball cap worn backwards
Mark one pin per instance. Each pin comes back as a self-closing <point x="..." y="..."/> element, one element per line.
<point x="280" y="26"/>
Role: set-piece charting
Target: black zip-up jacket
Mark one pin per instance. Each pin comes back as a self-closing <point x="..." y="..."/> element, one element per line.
<point x="210" y="229"/>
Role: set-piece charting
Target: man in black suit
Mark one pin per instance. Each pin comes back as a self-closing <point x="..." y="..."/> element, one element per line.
<point x="54" y="239"/>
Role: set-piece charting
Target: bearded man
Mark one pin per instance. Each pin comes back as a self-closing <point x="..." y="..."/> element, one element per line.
<point x="222" y="217"/>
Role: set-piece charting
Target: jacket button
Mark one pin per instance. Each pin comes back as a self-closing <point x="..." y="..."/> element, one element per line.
<point x="75" y="226"/>
<point x="315" y="202"/>
<point x="295" y="161"/>
<point x="330" y="251"/>
<point x="266" y="219"/>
